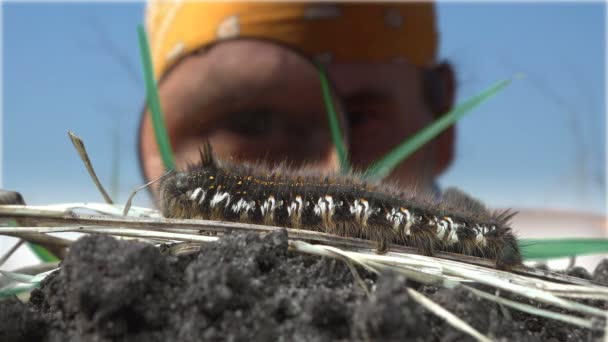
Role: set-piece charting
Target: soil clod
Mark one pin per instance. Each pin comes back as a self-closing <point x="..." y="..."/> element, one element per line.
<point x="247" y="287"/>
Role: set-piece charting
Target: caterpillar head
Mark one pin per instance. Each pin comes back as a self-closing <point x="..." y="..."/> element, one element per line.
<point x="182" y="191"/>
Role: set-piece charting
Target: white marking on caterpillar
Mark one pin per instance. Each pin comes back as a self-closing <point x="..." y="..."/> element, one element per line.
<point x="356" y="209"/>
<point x="242" y="204"/>
<point x="442" y="227"/>
<point x="292" y="208"/>
<point x="329" y="200"/>
<point x="219" y="198"/>
<point x="318" y="209"/>
<point x="485" y="230"/>
<point x="321" y="207"/>
<point x="361" y="206"/>
<point x="268" y="206"/>
<point x="331" y="207"/>
<point x="396" y="218"/>
<point x="480" y="237"/>
<point x="409" y="220"/>
<point x="300" y="206"/>
<point x="296" y="207"/>
<point x="195" y="193"/>
<point x="367" y="211"/>
<point x="325" y="208"/>
<point x="453" y="235"/>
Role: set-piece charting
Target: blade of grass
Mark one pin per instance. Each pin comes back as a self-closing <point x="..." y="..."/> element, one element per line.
<point x="115" y="166"/>
<point x="449" y="317"/>
<point x="41" y="253"/>
<point x="153" y="101"/>
<point x="538" y="249"/>
<point x="585" y="323"/>
<point x="386" y="164"/>
<point x="22" y="283"/>
<point x="334" y="124"/>
<point x="84" y="156"/>
<point x="10" y="252"/>
<point x="16" y="289"/>
<point x="40" y="276"/>
<point x="18" y="277"/>
<point x="128" y="204"/>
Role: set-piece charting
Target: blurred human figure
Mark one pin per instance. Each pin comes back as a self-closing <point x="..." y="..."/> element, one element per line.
<point x="242" y="76"/>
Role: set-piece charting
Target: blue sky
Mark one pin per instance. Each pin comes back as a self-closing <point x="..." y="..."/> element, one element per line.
<point x="540" y="143"/>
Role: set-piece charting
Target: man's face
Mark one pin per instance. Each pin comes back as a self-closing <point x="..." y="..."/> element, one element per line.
<point x="255" y="100"/>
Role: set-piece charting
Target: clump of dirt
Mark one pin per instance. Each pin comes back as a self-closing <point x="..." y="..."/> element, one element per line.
<point x="20" y="322"/>
<point x="390" y="314"/>
<point x="601" y="272"/>
<point x="246" y="287"/>
<point x="579" y="272"/>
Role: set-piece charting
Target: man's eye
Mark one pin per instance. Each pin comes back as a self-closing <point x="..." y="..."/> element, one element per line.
<point x="356" y="118"/>
<point x="257" y="123"/>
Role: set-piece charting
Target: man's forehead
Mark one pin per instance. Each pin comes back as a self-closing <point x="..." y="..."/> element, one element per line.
<point x="245" y="75"/>
<point x="256" y="66"/>
<point x="260" y="66"/>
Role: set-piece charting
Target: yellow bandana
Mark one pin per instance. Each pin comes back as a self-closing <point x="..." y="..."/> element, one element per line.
<point x="331" y="32"/>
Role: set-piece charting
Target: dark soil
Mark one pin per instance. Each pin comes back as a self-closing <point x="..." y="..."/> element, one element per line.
<point x="246" y="288"/>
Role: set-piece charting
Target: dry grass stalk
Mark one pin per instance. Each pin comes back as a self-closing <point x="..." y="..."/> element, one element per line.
<point x="584" y="323"/>
<point x="82" y="152"/>
<point x="449" y="317"/>
<point x="10" y="252"/>
<point x="148" y="219"/>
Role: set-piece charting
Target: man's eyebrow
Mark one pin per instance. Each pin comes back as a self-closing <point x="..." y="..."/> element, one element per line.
<point x="367" y="96"/>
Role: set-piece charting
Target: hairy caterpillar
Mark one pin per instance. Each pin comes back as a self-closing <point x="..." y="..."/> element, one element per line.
<point x="344" y="205"/>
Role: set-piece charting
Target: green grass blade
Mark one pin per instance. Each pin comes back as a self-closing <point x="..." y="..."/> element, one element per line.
<point x="22" y="283"/>
<point x="539" y="249"/>
<point x="334" y="123"/>
<point x="18" y="277"/>
<point x="386" y="164"/>
<point x="16" y="290"/>
<point x="153" y="101"/>
<point x="41" y="253"/>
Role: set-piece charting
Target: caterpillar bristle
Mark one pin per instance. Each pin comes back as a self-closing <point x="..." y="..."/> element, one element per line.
<point x="505" y="216"/>
<point x="343" y="205"/>
<point x="206" y="154"/>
